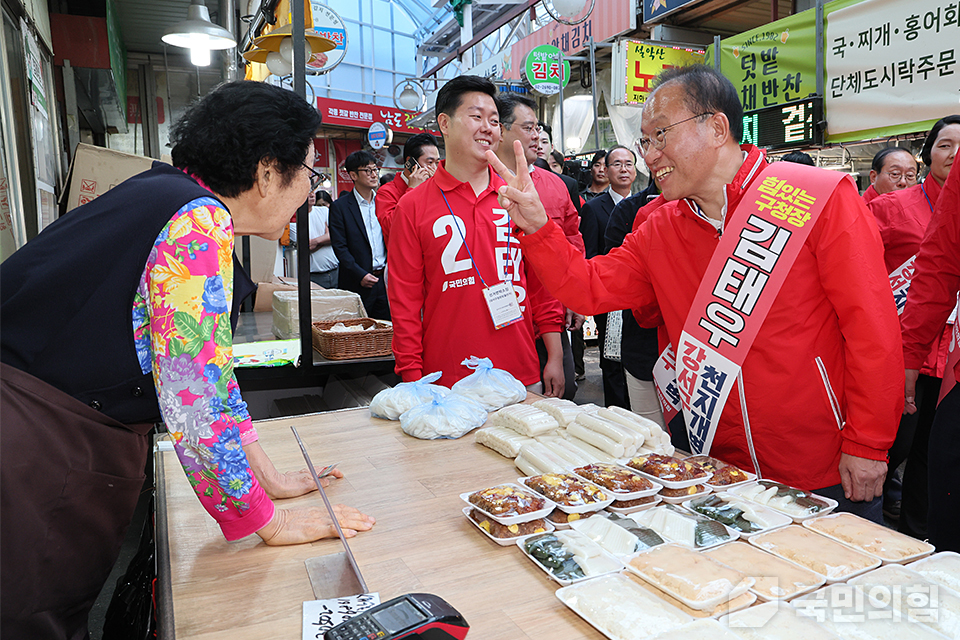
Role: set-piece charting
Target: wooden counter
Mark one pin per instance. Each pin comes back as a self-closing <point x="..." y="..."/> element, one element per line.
<point x="421" y="542"/>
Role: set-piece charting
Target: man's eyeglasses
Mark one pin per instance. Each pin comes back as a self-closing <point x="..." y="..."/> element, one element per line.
<point x="527" y="128"/>
<point x="621" y="165"/>
<point x="896" y="176"/>
<point x="370" y="171"/>
<point x="659" y="135"/>
<point x="315" y="177"/>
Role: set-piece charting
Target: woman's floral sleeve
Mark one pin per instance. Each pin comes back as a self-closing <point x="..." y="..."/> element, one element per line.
<point x="190" y="288"/>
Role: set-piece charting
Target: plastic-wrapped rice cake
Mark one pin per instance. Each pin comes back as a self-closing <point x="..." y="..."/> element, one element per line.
<point x="775" y="621"/>
<point x="622" y="609"/>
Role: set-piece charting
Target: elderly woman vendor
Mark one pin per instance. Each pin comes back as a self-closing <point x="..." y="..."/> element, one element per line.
<point x="117" y="316"/>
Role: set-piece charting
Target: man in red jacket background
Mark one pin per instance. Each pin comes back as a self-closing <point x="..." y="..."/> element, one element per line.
<point x="892" y="169"/>
<point x="421" y="157"/>
<point x="819" y="404"/>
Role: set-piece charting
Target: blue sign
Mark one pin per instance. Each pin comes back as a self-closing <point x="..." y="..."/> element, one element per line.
<point x="654" y="10"/>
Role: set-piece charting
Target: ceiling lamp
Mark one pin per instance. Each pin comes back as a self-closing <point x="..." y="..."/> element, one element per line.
<point x="198" y="34"/>
<point x="275" y="49"/>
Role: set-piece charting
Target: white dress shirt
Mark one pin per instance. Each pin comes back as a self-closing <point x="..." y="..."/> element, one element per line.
<point x="368" y="211"/>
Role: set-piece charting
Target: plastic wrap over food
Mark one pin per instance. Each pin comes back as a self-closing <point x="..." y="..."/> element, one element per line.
<point x="393" y="402"/>
<point x="506" y="442"/>
<point x="564" y="411"/>
<point x="449" y="416"/>
<point x="493" y="388"/>
<point x="525" y="420"/>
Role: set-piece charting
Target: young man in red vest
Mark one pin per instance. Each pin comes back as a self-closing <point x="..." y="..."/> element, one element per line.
<point x="812" y="400"/>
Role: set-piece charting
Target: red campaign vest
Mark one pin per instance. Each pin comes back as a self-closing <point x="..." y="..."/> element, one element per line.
<point x="749" y="266"/>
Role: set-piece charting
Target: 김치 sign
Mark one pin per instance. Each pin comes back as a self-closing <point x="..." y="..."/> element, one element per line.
<point x="543" y="70"/>
<point x="794" y="124"/>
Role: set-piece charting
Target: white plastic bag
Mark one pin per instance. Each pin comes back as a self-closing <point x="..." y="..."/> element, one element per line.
<point x="449" y="416"/>
<point x="391" y="403"/>
<point x="493" y="388"/>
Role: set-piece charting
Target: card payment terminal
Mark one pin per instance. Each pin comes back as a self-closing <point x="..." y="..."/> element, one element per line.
<point x="412" y="616"/>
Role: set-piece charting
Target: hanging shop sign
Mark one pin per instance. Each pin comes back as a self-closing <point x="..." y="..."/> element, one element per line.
<point x="891" y="67"/>
<point x="542" y="70"/>
<point x="772" y="64"/>
<point x="378" y="135"/>
<point x="608" y="20"/>
<point x="327" y="24"/>
<point x="794" y="124"/>
<point x="636" y="64"/>
<point x="656" y="10"/>
<point x="343" y="113"/>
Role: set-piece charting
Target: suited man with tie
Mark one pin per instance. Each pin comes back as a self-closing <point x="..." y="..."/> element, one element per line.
<point x="621" y="171"/>
<point x="357" y="238"/>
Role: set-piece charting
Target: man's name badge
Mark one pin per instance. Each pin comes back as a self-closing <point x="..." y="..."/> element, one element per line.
<point x="503" y="305"/>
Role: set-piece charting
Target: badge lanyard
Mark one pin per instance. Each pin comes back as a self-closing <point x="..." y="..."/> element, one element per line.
<point x="501" y="298"/>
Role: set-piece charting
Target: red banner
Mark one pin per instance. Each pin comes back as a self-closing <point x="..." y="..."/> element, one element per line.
<point x="342" y="113"/>
<point x="321" y="153"/>
<point x="343" y="148"/>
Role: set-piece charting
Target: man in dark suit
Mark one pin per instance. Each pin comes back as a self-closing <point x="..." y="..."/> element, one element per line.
<point x="357" y="238"/>
<point x="621" y="170"/>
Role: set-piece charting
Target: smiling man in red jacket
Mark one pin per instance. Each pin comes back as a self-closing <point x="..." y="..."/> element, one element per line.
<point x="788" y="253"/>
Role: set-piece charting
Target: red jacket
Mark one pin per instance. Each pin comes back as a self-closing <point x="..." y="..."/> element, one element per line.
<point x="870" y="194"/>
<point x="933" y="291"/>
<point x="439" y="313"/>
<point x="835" y="305"/>
<point x="903" y="217"/>
<point x="387" y="198"/>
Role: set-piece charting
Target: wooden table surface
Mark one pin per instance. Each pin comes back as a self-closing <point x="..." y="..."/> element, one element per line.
<point x="421" y="542"/>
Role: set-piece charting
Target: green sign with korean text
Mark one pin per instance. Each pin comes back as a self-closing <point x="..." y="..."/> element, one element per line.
<point x="772" y="64"/>
<point x="543" y="70"/>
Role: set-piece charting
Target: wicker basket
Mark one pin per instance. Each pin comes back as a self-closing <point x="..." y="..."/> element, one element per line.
<point x="337" y="345"/>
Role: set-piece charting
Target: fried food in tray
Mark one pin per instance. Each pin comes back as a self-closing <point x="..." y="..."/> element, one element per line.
<point x="566" y="489"/>
<point x="507" y="500"/>
<point x="729" y="475"/>
<point x="614" y="477"/>
<point x="561" y="517"/>
<point x="498" y="530"/>
<point x="684" y="493"/>
<point x="668" y="468"/>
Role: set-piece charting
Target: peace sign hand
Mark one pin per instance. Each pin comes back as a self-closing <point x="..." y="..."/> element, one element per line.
<point x="519" y="197"/>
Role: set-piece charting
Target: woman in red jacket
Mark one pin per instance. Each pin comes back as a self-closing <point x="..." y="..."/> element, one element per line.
<point x="903" y="217"/>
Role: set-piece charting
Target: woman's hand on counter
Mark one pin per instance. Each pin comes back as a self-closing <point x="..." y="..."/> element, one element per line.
<point x="298" y="525"/>
<point x="281" y="485"/>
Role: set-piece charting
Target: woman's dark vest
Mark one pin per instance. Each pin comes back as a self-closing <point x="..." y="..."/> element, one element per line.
<point x="66" y="297"/>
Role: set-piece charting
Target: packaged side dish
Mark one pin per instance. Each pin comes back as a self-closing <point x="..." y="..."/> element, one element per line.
<point x="748" y="518"/>
<point x="844" y="610"/>
<point x="695" y="579"/>
<point x="835" y="561"/>
<point x="621" y="609"/>
<point x="568" y="556"/>
<point x="796" y="503"/>
<point x="912" y="597"/>
<point x="725" y="475"/>
<point x="503" y="534"/>
<point x="886" y="544"/>
<point x="942" y="568"/>
<point x="774" y="621"/>
<point x="776" y="578"/>
<point x="633" y="506"/>
<point x="671" y="472"/>
<point x="686" y="528"/>
<point x="623" y="483"/>
<point x="509" y="503"/>
<point x="570" y="493"/>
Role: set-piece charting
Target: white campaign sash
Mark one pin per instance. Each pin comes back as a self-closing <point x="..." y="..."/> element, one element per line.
<point x="665" y="382"/>
<point x="900" y="279"/>
<point x="758" y="248"/>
